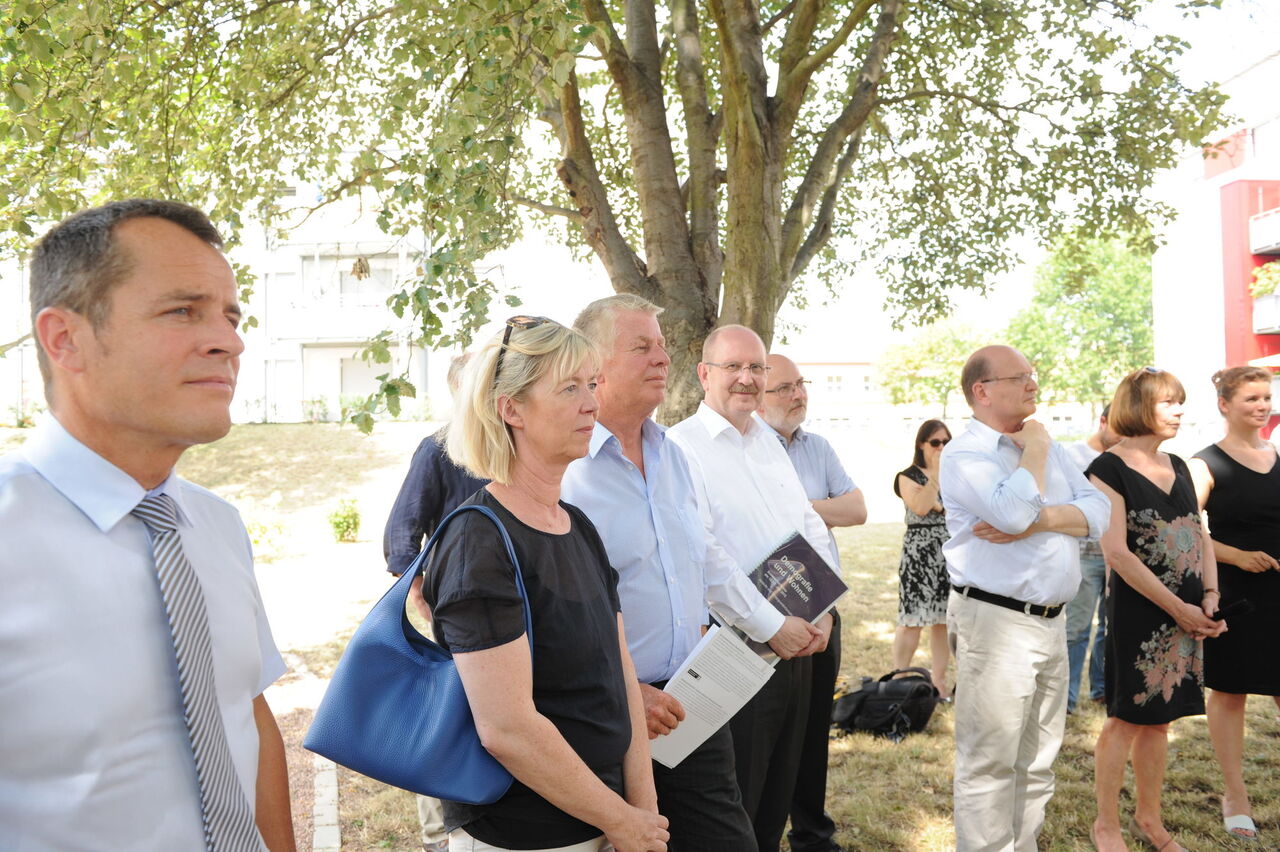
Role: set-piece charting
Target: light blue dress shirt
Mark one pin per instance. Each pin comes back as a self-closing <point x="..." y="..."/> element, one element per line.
<point x="94" y="752"/>
<point x="819" y="469"/>
<point x="668" y="566"/>
<point x="982" y="481"/>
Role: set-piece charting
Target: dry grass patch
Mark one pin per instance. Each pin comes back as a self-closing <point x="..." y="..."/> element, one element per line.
<point x="296" y="463"/>
<point x="898" y="797"/>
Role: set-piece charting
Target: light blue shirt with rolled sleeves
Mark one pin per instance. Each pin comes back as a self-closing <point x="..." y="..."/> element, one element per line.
<point x="819" y="469"/>
<point x="982" y="480"/>
<point x="668" y="565"/>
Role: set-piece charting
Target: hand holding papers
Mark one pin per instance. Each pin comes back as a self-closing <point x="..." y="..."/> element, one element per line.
<point x="720" y="676"/>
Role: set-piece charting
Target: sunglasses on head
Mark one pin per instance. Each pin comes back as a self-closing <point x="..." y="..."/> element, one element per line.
<point x="938" y="442"/>
<point x="521" y="322"/>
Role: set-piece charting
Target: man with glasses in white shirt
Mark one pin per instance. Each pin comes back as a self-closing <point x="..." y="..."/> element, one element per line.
<point x="1017" y="507"/>
<point x="752" y="501"/>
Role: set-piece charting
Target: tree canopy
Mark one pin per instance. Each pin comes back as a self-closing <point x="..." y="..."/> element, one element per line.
<point x="1089" y="322"/>
<point x="711" y="153"/>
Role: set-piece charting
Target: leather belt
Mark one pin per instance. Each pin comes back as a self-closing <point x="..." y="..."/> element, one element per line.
<point x="1009" y="603"/>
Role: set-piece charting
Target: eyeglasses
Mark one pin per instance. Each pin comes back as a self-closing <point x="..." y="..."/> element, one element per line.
<point x="523" y="323"/>
<point x="733" y="367"/>
<point x="787" y="390"/>
<point x="938" y="442"/>
<point x="1021" y="378"/>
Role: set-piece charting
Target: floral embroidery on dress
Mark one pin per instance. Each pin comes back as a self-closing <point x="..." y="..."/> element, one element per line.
<point x="1168" y="658"/>
<point x="1175" y="544"/>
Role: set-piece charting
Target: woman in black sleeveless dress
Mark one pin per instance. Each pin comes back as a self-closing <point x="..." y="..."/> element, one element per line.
<point x="1238" y="483"/>
<point x="1157" y="607"/>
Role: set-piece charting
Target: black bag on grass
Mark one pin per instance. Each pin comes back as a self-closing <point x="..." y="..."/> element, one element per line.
<point x="890" y="707"/>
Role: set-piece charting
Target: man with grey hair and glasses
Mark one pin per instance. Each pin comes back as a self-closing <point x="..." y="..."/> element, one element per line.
<point x="636" y="488"/>
<point x="1017" y="508"/>
<point x="134" y="650"/>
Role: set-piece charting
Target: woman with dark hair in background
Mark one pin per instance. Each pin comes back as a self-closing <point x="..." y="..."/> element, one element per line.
<point x="1162" y="591"/>
<point x="1238" y="484"/>
<point x="922" y="573"/>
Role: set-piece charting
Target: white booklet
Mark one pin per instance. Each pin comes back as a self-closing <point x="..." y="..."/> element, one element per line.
<point x="719" y="676"/>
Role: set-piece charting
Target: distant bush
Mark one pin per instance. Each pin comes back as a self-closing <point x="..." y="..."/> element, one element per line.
<point x="316" y="410"/>
<point x="345" y="521"/>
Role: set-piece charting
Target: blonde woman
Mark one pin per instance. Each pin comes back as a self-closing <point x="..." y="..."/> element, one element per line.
<point x="1238" y="484"/>
<point x="566" y="721"/>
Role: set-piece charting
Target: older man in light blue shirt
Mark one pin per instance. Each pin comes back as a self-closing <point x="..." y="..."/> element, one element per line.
<point x="635" y="486"/>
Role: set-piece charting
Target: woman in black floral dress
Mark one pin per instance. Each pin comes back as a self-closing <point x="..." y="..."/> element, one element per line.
<point x="1161" y="592"/>
<point x="922" y="573"/>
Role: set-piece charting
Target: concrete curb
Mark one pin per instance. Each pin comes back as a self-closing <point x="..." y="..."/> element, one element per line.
<point x="325" y="834"/>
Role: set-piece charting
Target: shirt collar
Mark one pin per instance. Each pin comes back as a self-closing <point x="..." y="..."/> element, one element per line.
<point x="104" y="492"/>
<point x="652" y="436"/>
<point x="799" y="436"/>
<point x="987" y="438"/>
<point x="716" y="425"/>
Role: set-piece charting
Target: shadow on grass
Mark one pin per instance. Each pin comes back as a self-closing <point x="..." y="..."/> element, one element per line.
<point x="311" y="462"/>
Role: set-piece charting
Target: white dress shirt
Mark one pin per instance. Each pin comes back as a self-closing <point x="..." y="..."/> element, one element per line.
<point x="981" y="481"/>
<point x="668" y="566"/>
<point x="748" y="493"/>
<point x="94" y="752"/>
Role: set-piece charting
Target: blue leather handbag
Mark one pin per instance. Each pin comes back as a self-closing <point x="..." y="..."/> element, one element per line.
<point x="395" y="709"/>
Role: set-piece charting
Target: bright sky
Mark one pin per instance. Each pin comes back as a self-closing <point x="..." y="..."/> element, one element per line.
<point x="853" y="326"/>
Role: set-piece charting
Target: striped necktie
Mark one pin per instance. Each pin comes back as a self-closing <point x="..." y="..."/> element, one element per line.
<point x="228" y="819"/>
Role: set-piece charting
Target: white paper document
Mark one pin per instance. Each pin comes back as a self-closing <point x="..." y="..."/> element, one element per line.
<point x="720" y="675"/>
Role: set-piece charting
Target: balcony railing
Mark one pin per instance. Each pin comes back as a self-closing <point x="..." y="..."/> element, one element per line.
<point x="1264" y="232"/>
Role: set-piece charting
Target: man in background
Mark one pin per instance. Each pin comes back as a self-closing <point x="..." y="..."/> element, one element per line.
<point x="1092" y="596"/>
<point x="839" y="503"/>
<point x="433" y="487"/>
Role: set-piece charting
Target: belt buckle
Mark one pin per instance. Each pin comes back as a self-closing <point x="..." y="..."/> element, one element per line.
<point x="1026" y="608"/>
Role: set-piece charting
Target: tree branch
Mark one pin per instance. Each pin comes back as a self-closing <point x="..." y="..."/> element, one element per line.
<point x="5" y="347"/>
<point x="699" y="193"/>
<point x="820" y="234"/>
<point x="818" y="177"/>
<point x="798" y="62"/>
<point x="782" y="13"/>
<point x="578" y="173"/>
<point x="549" y="209"/>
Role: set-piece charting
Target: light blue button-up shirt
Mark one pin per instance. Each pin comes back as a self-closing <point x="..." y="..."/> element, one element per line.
<point x="668" y="566"/>
<point x="819" y="469"/>
<point x="982" y="480"/>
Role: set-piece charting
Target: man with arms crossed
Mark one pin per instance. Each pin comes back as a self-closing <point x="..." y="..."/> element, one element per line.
<point x="840" y="504"/>
<point x="752" y="501"/>
<point x="1016" y="509"/>
<point x="635" y="487"/>
<point x="134" y="650"/>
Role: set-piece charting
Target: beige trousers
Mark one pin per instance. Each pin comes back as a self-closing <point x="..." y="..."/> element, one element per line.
<point x="1010" y="713"/>
<point x="431" y="820"/>
<point x="460" y="841"/>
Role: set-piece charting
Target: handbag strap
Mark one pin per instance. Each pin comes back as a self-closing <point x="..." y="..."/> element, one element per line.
<point x="419" y="566"/>
<point x="924" y="673"/>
